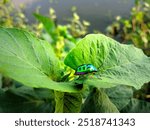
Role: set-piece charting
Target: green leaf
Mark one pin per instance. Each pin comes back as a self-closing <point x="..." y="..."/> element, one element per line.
<point x="116" y="63"/>
<point x="137" y="106"/>
<point x="67" y="102"/>
<point x="30" y="61"/>
<point x="98" y="102"/>
<point x="48" y="24"/>
<point x="25" y="99"/>
<point x="120" y="95"/>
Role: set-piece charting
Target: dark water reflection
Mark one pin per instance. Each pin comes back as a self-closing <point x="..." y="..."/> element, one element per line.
<point x="100" y="13"/>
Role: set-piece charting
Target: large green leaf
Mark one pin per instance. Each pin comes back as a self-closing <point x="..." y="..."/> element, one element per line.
<point x="120" y="95"/>
<point x="116" y="63"/>
<point x="25" y="99"/>
<point x="67" y="102"/>
<point x="30" y="61"/>
<point x="98" y="102"/>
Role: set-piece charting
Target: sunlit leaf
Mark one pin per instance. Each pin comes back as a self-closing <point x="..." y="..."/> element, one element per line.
<point x="30" y="61"/>
<point x="116" y="63"/>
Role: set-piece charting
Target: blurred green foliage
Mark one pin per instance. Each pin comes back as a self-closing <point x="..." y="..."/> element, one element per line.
<point x="62" y="37"/>
<point x="135" y="29"/>
<point x="77" y="27"/>
<point x="10" y="16"/>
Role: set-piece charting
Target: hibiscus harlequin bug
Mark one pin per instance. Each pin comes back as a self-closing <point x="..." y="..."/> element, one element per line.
<point x="85" y="69"/>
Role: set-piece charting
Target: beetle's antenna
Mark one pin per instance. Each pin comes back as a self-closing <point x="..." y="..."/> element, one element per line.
<point x="100" y="66"/>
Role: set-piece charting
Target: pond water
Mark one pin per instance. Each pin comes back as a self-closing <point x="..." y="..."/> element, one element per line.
<point x="100" y="13"/>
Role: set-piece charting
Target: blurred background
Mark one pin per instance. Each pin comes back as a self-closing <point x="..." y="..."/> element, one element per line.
<point x="100" y="13"/>
<point x="127" y="21"/>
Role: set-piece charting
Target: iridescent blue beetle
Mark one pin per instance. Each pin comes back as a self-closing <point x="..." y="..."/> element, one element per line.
<point x="85" y="69"/>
